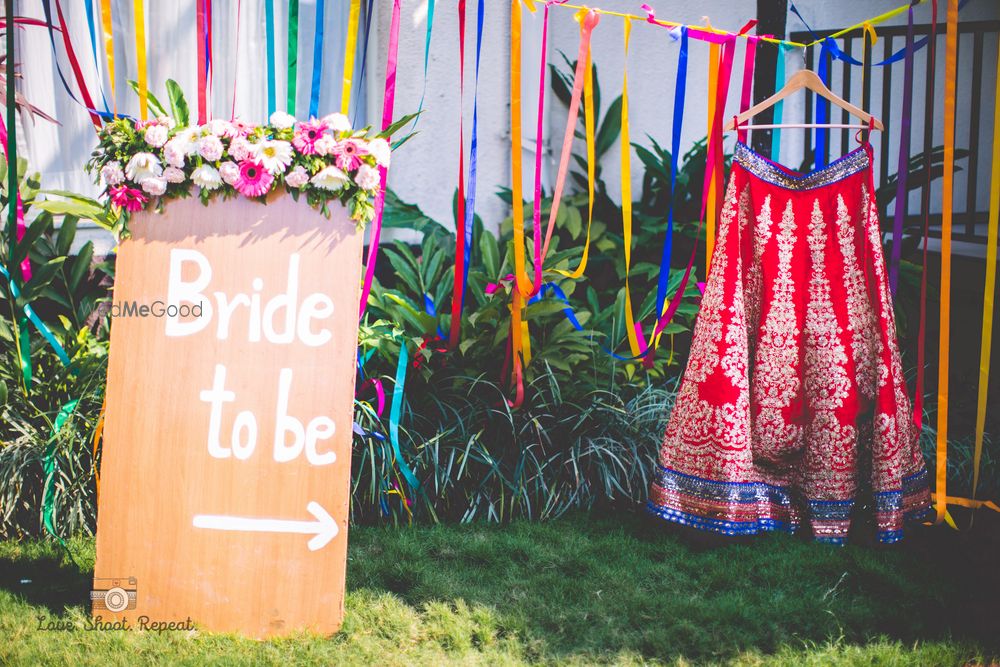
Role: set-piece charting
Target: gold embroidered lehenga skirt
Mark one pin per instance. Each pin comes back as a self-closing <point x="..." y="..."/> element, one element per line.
<point x="793" y="404"/>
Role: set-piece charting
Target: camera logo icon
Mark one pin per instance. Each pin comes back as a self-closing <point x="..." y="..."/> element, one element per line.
<point x="114" y="594"/>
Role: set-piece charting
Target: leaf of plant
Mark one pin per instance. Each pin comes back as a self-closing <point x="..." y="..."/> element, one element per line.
<point x="154" y="103"/>
<point x="40" y="278"/>
<point x="178" y="105"/>
<point x="610" y="129"/>
<point x="34" y="231"/>
<point x="67" y="232"/>
<point x="81" y="265"/>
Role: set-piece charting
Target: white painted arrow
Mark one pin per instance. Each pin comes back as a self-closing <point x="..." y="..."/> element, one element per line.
<point x="323" y="529"/>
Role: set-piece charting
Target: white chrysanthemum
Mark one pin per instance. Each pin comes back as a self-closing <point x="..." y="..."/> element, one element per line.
<point x="210" y="147"/>
<point x="275" y="155"/>
<point x="367" y="177"/>
<point x="282" y="120"/>
<point x="379" y="149"/>
<point x="230" y="172"/>
<point x="337" y="122"/>
<point x="167" y="122"/>
<point x="330" y="178"/>
<point x="156" y="135"/>
<point x="154" y="186"/>
<point x="174" y="175"/>
<point x="206" y="176"/>
<point x="297" y="177"/>
<point x="112" y="173"/>
<point x="142" y="166"/>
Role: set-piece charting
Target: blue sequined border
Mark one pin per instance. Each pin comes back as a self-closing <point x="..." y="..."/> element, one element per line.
<point x="855" y="161"/>
<point x="755" y="493"/>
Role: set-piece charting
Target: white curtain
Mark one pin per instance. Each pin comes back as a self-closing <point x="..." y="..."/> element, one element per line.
<point x="60" y="151"/>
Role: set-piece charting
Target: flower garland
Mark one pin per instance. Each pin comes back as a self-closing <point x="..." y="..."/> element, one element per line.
<point x="143" y="163"/>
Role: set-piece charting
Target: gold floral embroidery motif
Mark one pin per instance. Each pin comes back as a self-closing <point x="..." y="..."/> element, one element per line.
<point x="860" y="316"/>
<point x="776" y="381"/>
<point x="699" y="426"/>
<point x="755" y="270"/>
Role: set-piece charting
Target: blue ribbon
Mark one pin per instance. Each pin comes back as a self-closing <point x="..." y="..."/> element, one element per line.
<point x="430" y="309"/>
<point x="364" y="54"/>
<point x="394" y="414"/>
<point x="105" y="115"/>
<point x="470" y="194"/>
<point x="269" y="34"/>
<point x="823" y="107"/>
<point x="675" y="147"/>
<point x="317" y="72"/>
<point x="93" y="45"/>
<point x="29" y="311"/>
<point x="779" y="107"/>
<point x="427" y="52"/>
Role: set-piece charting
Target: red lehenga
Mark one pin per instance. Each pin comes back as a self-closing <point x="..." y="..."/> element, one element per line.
<point x="794" y="398"/>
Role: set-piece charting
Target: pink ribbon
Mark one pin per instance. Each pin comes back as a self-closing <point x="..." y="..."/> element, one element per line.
<point x="387" y="103"/>
<point x="590" y="21"/>
<point x="21" y="227"/>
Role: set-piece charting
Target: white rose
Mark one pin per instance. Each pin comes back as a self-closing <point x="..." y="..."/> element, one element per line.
<point x="337" y="122"/>
<point x="230" y="172"/>
<point x="167" y="122"/>
<point x="330" y="178"/>
<point x="379" y="149"/>
<point x="173" y="175"/>
<point x="282" y="120"/>
<point x="297" y="177"/>
<point x="156" y="135"/>
<point x="210" y="147"/>
<point x="142" y="166"/>
<point x="112" y="173"/>
<point x="206" y="176"/>
<point x="154" y="186"/>
<point x="367" y="178"/>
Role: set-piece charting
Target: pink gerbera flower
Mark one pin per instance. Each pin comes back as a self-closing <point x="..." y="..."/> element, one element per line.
<point x="241" y="128"/>
<point x="306" y="136"/>
<point x="130" y="199"/>
<point x="253" y="180"/>
<point x="348" y="154"/>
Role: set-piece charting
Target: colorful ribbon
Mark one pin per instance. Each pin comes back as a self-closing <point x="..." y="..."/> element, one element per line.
<point x="140" y="56"/>
<point x="293" y="55"/>
<point x="947" y="193"/>
<point x="458" y="273"/>
<point x="918" y="396"/>
<point x="202" y="47"/>
<point x="395" y="412"/>
<point x="364" y="52"/>
<point x="87" y="103"/>
<point x="317" y="68"/>
<point x="427" y="53"/>
<point x="49" y="466"/>
<point x="92" y="31"/>
<point x="903" y="168"/>
<point x="388" y="99"/>
<point x="588" y="21"/>
<point x="779" y="107"/>
<point x="989" y="293"/>
<point x="823" y="107"/>
<point x="350" y="47"/>
<point x="109" y="49"/>
<point x="269" y="40"/>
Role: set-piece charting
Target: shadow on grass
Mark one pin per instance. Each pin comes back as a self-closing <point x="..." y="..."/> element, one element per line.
<point x="599" y="586"/>
<point x="594" y="588"/>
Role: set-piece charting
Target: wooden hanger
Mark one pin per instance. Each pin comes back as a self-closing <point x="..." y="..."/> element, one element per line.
<point x="805" y="79"/>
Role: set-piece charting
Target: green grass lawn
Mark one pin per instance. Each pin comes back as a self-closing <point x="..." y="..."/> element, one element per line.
<point x="578" y="590"/>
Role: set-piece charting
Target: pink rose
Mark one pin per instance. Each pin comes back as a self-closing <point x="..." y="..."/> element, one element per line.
<point x="230" y="172"/>
<point x="210" y="147"/>
<point x="297" y="177"/>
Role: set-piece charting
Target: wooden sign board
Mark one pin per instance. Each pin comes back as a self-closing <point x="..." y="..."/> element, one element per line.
<point x="225" y="469"/>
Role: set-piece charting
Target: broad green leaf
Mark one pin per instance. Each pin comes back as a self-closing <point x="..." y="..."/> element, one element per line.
<point x="178" y="105"/>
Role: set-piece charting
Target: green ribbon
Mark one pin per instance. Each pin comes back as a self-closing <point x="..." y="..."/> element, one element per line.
<point x="293" y="53"/>
<point x="394" y="415"/>
<point x="49" y="467"/>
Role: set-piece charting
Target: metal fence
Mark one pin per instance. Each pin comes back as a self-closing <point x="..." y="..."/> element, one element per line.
<point x="878" y="89"/>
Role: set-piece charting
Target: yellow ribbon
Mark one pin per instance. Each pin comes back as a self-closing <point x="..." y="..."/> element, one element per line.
<point x="109" y="49"/>
<point x="349" y="48"/>
<point x="626" y="189"/>
<point x="713" y="81"/>
<point x="947" y="189"/>
<point x="98" y="432"/>
<point x="870" y="22"/>
<point x="988" y="293"/>
<point x="140" y="49"/>
<point x="588" y="107"/>
<point x="869" y="29"/>
<point x="522" y="282"/>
